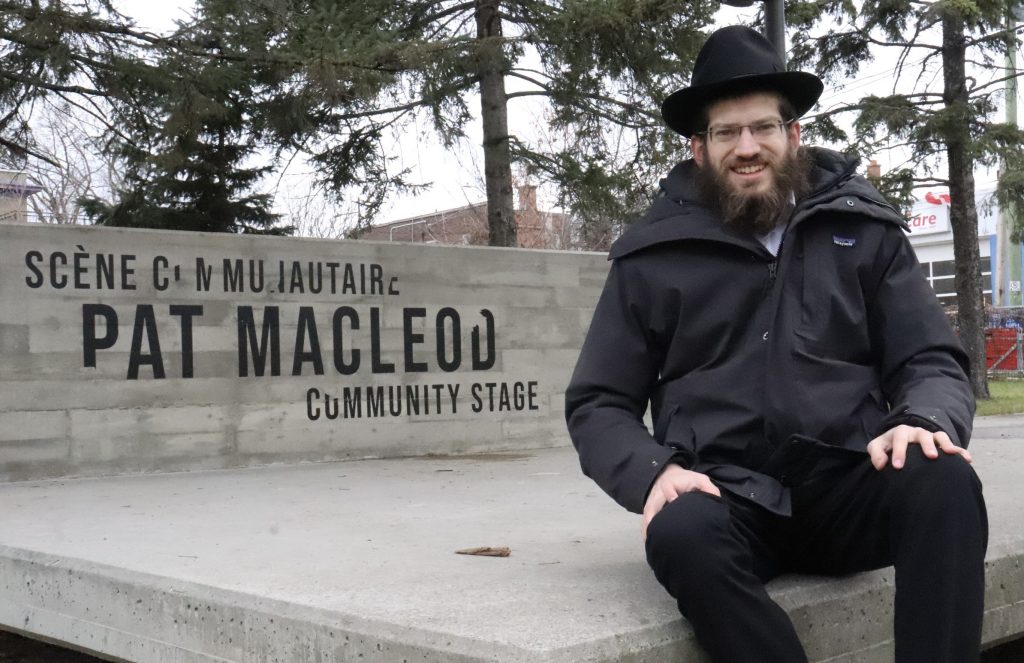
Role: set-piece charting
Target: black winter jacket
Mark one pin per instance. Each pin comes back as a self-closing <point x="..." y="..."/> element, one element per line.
<point x="757" y="368"/>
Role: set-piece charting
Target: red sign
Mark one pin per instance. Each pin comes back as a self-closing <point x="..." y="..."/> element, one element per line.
<point x="930" y="215"/>
<point x="923" y="221"/>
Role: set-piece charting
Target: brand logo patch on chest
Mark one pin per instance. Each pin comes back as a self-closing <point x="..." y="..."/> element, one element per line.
<point x="843" y="241"/>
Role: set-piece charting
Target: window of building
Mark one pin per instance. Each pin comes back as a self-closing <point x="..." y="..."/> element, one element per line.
<point x="940" y="275"/>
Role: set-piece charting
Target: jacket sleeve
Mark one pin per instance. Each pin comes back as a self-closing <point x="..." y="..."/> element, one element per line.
<point x="605" y="401"/>
<point x="923" y="367"/>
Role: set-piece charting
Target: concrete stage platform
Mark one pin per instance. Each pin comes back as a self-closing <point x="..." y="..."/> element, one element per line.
<point x="356" y="561"/>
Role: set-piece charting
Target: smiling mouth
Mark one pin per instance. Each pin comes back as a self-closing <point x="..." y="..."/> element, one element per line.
<point x="750" y="170"/>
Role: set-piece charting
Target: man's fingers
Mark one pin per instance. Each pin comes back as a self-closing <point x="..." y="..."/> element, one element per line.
<point x="900" y="440"/>
<point x="943" y="442"/>
<point x="662" y="493"/>
<point x="706" y="486"/>
<point x="878" y="450"/>
<point x="670" y="484"/>
<point x="927" y="441"/>
<point x="947" y="446"/>
<point x="959" y="451"/>
<point x="896" y="441"/>
<point x="654" y="504"/>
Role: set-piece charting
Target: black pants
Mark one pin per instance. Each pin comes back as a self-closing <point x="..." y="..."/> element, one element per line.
<point x="928" y="520"/>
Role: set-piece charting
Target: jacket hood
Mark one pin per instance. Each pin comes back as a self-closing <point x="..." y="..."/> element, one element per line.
<point x="677" y="213"/>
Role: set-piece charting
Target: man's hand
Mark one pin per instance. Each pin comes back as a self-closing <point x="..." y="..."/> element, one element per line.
<point x="670" y="484"/>
<point x="897" y="439"/>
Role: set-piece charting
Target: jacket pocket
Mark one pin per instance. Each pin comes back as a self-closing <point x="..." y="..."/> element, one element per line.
<point x="832" y="321"/>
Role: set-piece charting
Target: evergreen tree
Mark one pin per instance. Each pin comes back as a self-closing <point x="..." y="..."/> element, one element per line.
<point x="174" y="112"/>
<point x="338" y="75"/>
<point x="78" y="50"/>
<point x="272" y="79"/>
<point x="946" y="133"/>
<point x="193" y="173"/>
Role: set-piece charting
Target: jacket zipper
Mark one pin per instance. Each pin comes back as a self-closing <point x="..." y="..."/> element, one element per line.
<point x="773" y="270"/>
<point x="773" y="265"/>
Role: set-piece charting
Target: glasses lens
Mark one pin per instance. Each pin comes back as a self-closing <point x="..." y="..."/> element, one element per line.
<point x="731" y="133"/>
<point x="764" y="130"/>
<point x="725" y="134"/>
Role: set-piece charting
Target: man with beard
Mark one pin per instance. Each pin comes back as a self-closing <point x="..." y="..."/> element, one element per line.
<point x="810" y="403"/>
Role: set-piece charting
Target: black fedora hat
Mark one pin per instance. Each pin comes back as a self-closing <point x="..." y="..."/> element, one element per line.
<point x="735" y="60"/>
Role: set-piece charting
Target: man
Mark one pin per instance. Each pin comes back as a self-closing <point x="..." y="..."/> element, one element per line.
<point x="810" y="403"/>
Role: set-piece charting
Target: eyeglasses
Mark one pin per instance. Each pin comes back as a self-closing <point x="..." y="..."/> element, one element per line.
<point x="760" y="131"/>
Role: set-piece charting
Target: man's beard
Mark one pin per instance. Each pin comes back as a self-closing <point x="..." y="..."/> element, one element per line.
<point x="749" y="212"/>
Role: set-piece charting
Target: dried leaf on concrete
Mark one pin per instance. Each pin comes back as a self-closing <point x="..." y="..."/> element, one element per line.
<point x="486" y="551"/>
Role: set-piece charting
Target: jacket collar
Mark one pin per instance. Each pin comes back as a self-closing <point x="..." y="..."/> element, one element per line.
<point x="677" y="213"/>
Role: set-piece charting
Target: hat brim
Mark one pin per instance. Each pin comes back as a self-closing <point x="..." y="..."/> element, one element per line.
<point x="682" y="109"/>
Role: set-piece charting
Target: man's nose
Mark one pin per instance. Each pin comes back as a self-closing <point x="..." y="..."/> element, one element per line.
<point x="746" y="146"/>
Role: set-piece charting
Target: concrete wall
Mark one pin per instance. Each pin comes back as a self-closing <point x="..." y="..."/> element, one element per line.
<point x="133" y="351"/>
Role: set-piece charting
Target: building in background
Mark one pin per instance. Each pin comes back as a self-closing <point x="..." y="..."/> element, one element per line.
<point x="535" y="229"/>
<point x="932" y="238"/>
<point x="1002" y="261"/>
<point x="14" y="192"/>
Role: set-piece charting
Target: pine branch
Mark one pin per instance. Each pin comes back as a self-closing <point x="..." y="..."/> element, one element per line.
<point x="25" y="150"/>
<point x="998" y="35"/>
<point x="864" y="34"/>
<point x="903" y="58"/>
<point x="47" y="85"/>
<point x="443" y="27"/>
<point x="847" y="108"/>
<point x="111" y="127"/>
<point x="454" y="9"/>
<point x="924" y="67"/>
<point x="977" y="88"/>
<point x="90" y="25"/>
<point x="549" y="91"/>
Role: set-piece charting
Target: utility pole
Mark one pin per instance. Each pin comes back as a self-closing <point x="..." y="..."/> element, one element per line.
<point x="774" y="22"/>
<point x="1008" y="260"/>
<point x="775" y="26"/>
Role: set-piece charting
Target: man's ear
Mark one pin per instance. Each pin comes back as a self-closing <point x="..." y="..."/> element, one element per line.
<point x="697" y="148"/>
<point x="793" y="134"/>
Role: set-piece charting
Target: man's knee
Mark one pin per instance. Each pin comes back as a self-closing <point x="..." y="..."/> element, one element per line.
<point x="946" y="477"/>
<point x="941" y="490"/>
<point x="686" y="532"/>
